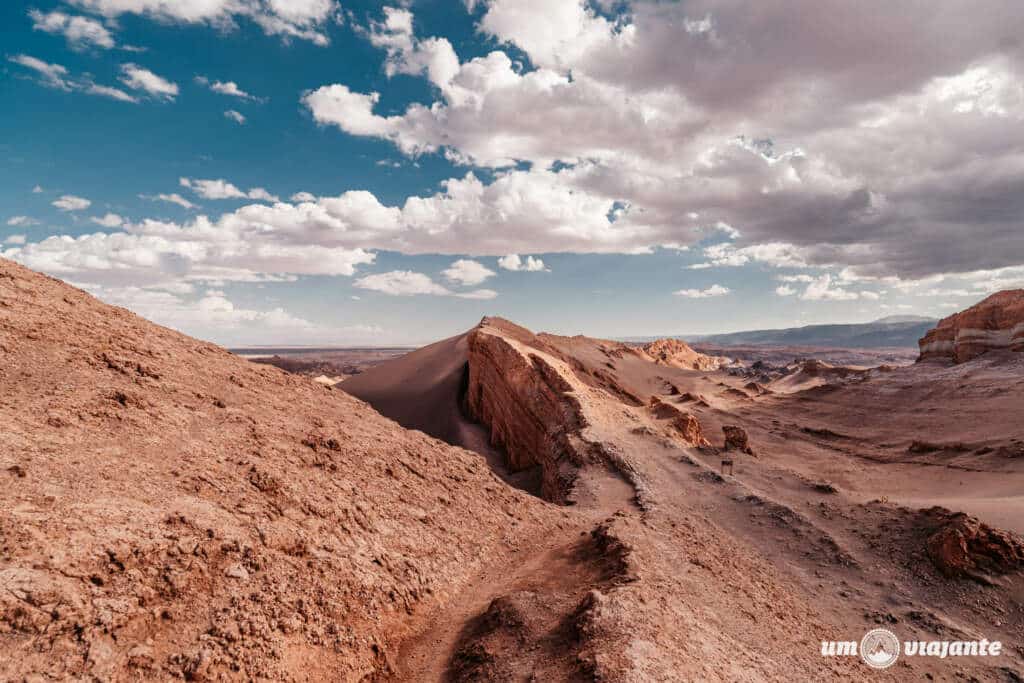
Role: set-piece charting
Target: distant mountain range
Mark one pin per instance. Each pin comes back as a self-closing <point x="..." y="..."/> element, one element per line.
<point x="897" y="330"/>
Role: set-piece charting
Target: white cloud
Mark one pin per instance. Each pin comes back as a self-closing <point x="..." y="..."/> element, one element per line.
<point x="138" y="78"/>
<point x="802" y="277"/>
<point x="857" y="186"/>
<point x="409" y="283"/>
<point x="110" y="220"/>
<point x="467" y="272"/>
<point x="479" y="294"/>
<point x="38" y="189"/>
<point x="51" y="75"/>
<point x="210" y="316"/>
<point x="80" y="32"/>
<point x="229" y="88"/>
<point x="15" y="239"/>
<point x="785" y="290"/>
<point x="173" y="198"/>
<point x="869" y="295"/>
<point x="21" y="221"/>
<point x="712" y="291"/>
<point x="155" y="253"/>
<point x="58" y="77"/>
<point x="300" y="197"/>
<point x="401" y="283"/>
<point x="222" y="189"/>
<point x="821" y="288"/>
<point x="235" y="116"/>
<point x="515" y="263"/>
<point x="299" y="19"/>
<point x="112" y="93"/>
<point x="407" y="55"/>
<point x="70" y="202"/>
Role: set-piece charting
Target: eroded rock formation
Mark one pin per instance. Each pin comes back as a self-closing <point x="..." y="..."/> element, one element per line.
<point x="676" y="353"/>
<point x="736" y="439"/>
<point x="527" y="405"/>
<point x="964" y="547"/>
<point x="683" y="424"/>
<point x="995" y="323"/>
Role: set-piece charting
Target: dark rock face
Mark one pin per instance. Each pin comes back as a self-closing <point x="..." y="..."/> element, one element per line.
<point x="995" y="323"/>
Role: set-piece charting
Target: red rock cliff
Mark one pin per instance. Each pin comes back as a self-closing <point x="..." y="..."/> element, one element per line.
<point x="995" y="323"/>
<point x="526" y="403"/>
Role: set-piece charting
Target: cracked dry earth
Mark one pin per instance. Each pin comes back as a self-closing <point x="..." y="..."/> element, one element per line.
<point x="169" y="510"/>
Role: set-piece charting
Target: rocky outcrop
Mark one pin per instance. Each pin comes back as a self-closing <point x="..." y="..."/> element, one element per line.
<point x="736" y="439"/>
<point x="964" y="547"/>
<point x="527" y="405"/>
<point x="995" y="323"/>
<point x="684" y="425"/>
<point x="678" y="354"/>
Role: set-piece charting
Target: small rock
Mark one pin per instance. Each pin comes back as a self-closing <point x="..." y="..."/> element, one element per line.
<point x="236" y="571"/>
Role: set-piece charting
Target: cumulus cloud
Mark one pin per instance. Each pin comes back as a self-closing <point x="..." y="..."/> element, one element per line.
<point x="712" y="291"/>
<point x="80" y="32"/>
<point x="235" y="116"/>
<point x="155" y="253"/>
<point x="110" y="220"/>
<point x="144" y="80"/>
<point x="467" y="272"/>
<point x="822" y="288"/>
<point x="15" y="239"/>
<point x="70" y="202"/>
<point x="785" y="290"/>
<point x="797" y="144"/>
<point x="222" y="189"/>
<point x="299" y="197"/>
<point x="409" y="283"/>
<point x="515" y="263"/>
<point x="406" y="54"/>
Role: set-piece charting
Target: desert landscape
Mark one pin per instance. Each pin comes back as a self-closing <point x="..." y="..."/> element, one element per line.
<point x="526" y="507"/>
<point x="512" y="341"/>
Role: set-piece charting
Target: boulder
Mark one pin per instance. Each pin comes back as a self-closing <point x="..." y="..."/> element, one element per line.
<point x="963" y="547"/>
<point x="736" y="439"/>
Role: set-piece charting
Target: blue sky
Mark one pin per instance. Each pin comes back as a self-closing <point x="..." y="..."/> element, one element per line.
<point x="352" y="173"/>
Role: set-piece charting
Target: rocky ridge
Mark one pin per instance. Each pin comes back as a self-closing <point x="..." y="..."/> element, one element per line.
<point x="995" y="323"/>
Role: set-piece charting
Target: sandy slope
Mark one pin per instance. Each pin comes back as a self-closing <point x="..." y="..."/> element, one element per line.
<point x="740" y="577"/>
<point x="168" y="509"/>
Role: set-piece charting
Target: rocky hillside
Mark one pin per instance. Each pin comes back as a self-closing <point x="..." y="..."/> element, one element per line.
<point x="170" y="510"/>
<point x="678" y="354"/>
<point x="992" y="324"/>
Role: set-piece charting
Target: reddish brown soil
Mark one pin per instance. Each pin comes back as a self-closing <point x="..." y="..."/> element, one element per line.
<point x="171" y="510"/>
